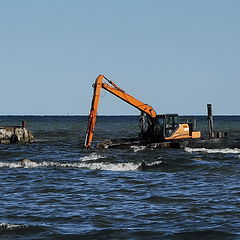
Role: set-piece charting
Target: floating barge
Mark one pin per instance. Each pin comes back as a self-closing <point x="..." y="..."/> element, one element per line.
<point x="16" y="134"/>
<point x="215" y="139"/>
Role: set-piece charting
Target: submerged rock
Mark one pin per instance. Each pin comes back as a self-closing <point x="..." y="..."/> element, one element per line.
<point x="105" y="144"/>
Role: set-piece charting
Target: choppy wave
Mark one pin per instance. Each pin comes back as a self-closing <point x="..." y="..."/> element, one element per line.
<point x="206" y="150"/>
<point x="205" y="234"/>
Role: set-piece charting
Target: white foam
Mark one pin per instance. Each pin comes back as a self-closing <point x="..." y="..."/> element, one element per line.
<point x="138" y="148"/>
<point x="111" y="166"/>
<point x="154" y="163"/>
<point x="20" y="164"/>
<point x="92" y="156"/>
<point x="206" y="150"/>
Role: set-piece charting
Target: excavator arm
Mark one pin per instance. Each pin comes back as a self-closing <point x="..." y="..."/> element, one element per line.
<point x="115" y="90"/>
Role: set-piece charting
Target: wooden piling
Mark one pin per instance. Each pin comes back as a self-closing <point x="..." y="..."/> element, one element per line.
<point x="210" y="121"/>
<point x="24" y="124"/>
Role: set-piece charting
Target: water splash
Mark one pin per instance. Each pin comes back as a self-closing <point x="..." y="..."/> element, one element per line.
<point x="138" y="148"/>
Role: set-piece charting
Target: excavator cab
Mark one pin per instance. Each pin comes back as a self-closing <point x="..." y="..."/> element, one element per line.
<point x="165" y="127"/>
<point x="159" y="128"/>
<point x="170" y="123"/>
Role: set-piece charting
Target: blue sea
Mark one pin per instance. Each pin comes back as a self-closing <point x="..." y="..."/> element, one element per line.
<point x="63" y="191"/>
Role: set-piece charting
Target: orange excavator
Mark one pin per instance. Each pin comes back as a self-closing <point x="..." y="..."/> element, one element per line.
<point x="153" y="127"/>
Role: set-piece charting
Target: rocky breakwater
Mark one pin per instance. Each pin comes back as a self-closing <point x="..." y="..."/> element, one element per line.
<point x="16" y="134"/>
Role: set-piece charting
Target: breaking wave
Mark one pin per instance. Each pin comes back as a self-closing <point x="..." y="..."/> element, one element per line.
<point x="206" y="150"/>
<point x="26" y="163"/>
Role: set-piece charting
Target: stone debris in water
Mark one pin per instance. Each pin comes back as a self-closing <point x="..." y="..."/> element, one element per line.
<point x="15" y="134"/>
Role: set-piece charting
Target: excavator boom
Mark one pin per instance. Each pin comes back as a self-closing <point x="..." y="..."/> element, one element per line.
<point x="93" y="112"/>
<point x="115" y="90"/>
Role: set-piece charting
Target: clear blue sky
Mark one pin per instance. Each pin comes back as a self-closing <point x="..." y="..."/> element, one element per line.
<point x="176" y="55"/>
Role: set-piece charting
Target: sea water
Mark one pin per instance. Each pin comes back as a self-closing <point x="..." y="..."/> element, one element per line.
<point x="62" y="191"/>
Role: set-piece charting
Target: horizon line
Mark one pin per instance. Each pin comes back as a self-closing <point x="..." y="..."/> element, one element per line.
<point x="102" y="115"/>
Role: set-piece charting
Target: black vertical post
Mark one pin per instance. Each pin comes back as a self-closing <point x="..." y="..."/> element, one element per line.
<point x="210" y="121"/>
<point x="24" y="124"/>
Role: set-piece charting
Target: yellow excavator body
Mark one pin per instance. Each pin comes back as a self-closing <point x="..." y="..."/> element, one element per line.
<point x="183" y="132"/>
